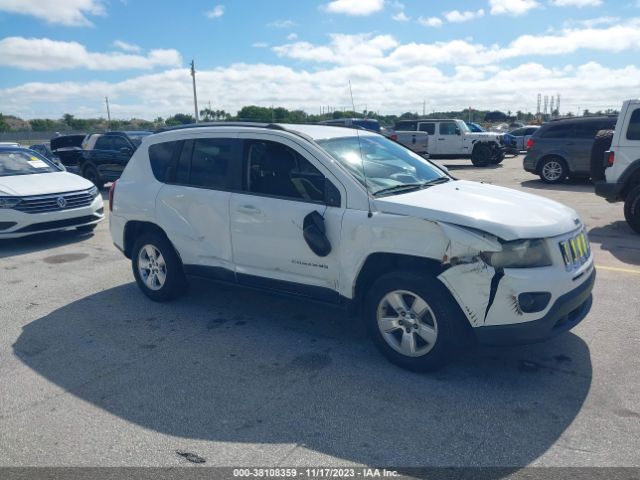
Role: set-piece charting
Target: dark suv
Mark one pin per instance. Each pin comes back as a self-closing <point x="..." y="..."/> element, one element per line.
<point x="110" y="154"/>
<point x="562" y="148"/>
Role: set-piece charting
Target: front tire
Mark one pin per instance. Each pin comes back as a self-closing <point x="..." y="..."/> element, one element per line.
<point x="481" y="155"/>
<point x="553" y="170"/>
<point x="412" y="320"/>
<point x="632" y="209"/>
<point x="157" y="268"/>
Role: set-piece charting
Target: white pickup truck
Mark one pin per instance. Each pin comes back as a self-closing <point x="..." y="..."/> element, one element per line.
<point x="620" y="180"/>
<point x="451" y="138"/>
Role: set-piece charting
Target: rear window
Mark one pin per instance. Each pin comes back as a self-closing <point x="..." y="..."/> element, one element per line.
<point x="587" y="130"/>
<point x="633" y="132"/>
<point x="406" y="125"/>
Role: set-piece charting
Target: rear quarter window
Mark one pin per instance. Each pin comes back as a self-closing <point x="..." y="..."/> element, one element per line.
<point x="160" y="157"/>
<point x="560" y="130"/>
<point x="633" y="131"/>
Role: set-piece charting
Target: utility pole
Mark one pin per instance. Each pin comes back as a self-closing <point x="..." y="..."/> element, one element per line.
<point x="424" y="108"/>
<point x="106" y="99"/>
<point x="195" y="95"/>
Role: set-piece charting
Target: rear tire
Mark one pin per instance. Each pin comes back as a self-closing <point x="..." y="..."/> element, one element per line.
<point x="413" y="320"/>
<point x="481" y="155"/>
<point x="601" y="143"/>
<point x="91" y="173"/>
<point x="553" y="170"/>
<point x="632" y="208"/>
<point x="157" y="267"/>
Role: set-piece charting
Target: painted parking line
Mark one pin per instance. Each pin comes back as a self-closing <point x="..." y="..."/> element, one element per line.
<point x="616" y="269"/>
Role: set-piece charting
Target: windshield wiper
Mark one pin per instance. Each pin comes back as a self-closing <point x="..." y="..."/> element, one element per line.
<point x="409" y="187"/>
<point x="405" y="187"/>
<point x="436" y="181"/>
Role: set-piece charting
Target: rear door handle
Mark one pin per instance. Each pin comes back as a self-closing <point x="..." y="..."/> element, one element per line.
<point x="441" y="139"/>
<point x="249" y="209"/>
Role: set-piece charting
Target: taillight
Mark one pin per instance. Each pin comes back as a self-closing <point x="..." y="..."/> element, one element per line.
<point x="112" y="193"/>
<point x="530" y="143"/>
<point x="394" y="137"/>
<point x="611" y="157"/>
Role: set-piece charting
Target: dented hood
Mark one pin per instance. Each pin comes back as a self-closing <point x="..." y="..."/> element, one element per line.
<point x="503" y="212"/>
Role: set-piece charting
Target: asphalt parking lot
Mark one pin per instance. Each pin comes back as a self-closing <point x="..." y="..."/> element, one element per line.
<point x="94" y="374"/>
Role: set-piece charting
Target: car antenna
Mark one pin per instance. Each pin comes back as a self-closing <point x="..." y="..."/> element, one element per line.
<point x="364" y="173"/>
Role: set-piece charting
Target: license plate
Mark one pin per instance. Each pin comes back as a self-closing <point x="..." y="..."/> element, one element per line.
<point x="575" y="251"/>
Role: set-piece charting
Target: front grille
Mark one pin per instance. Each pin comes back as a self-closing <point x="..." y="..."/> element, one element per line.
<point x="575" y="251"/>
<point x="55" y="202"/>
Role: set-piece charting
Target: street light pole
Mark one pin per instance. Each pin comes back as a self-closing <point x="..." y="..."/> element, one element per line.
<point x="195" y="94"/>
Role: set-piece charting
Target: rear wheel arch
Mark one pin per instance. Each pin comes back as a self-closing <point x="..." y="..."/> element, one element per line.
<point x="134" y="228"/>
<point x="631" y="178"/>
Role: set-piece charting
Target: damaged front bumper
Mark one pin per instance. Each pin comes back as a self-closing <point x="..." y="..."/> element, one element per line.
<point x="567" y="311"/>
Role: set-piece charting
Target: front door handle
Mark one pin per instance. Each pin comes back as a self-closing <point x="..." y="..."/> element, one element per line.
<point x="441" y="139"/>
<point x="249" y="209"/>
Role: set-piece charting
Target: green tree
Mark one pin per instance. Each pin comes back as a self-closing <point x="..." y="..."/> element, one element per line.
<point x="179" y="119"/>
<point x="4" y="126"/>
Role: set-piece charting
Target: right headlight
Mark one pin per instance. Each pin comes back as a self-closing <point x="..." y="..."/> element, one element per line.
<point x="520" y="254"/>
<point x="9" y="202"/>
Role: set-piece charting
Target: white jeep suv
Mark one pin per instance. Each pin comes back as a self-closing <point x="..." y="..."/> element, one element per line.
<point x="354" y="219"/>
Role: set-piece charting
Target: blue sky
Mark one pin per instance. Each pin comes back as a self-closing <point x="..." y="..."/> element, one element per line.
<point x="301" y="54"/>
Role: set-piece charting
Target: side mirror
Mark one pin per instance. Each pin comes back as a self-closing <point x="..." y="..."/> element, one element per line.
<point x="458" y="132"/>
<point x="314" y="233"/>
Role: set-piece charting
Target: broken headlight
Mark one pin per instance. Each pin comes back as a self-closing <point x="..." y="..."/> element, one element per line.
<point x="519" y="254"/>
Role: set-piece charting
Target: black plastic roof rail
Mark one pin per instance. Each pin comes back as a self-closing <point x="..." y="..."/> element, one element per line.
<point x="271" y="126"/>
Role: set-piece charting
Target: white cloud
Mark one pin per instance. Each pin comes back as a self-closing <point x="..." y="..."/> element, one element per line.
<point x="342" y="49"/>
<point x="216" y="12"/>
<point x="385" y="50"/>
<point x="576" y="3"/>
<point x="589" y="85"/>
<point x="282" y="24"/>
<point x="63" y="12"/>
<point x="354" y="7"/>
<point x="46" y="54"/>
<point x="127" y="47"/>
<point x="292" y="36"/>
<point x="512" y="7"/>
<point x="430" y="21"/>
<point x="400" y="17"/>
<point x="260" y="45"/>
<point x="456" y="16"/>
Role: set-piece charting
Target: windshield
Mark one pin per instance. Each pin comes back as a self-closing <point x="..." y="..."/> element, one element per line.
<point x="474" y="127"/>
<point x="22" y="163"/>
<point x="463" y="126"/>
<point x="136" y="137"/>
<point x="386" y="164"/>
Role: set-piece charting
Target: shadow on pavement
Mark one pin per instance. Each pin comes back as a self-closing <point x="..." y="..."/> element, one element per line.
<point x="42" y="241"/>
<point x="232" y="365"/>
<point x="571" y="185"/>
<point x="619" y="239"/>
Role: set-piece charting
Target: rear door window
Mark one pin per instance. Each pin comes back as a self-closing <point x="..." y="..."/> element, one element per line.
<point x="633" y="132"/>
<point x="213" y="163"/>
<point x="430" y="128"/>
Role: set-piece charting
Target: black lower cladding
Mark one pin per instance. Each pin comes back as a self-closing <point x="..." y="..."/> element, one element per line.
<point x="67" y="222"/>
<point x="283" y="287"/>
<point x="568" y="310"/>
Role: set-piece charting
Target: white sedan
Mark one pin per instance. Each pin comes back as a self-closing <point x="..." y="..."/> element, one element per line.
<point x="37" y="196"/>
